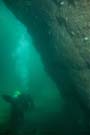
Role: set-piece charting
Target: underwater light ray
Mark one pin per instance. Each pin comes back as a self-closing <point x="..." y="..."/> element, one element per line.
<point x="21" y="56"/>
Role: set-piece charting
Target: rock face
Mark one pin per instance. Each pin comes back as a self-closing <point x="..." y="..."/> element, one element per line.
<point x="61" y="33"/>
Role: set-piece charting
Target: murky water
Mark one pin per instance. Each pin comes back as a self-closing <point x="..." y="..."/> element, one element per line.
<point x="22" y="69"/>
<point x="44" y="88"/>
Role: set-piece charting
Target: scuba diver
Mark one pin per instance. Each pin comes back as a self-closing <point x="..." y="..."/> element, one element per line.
<point x="20" y="103"/>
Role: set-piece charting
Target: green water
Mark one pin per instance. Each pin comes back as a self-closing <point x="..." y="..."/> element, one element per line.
<point x="21" y="68"/>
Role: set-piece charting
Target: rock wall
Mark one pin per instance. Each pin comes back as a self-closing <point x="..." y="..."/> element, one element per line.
<point x="61" y="33"/>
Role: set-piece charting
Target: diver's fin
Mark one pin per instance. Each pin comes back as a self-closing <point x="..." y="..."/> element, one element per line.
<point x="7" y="98"/>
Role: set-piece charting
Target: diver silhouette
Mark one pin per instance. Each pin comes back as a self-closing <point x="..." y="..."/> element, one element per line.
<point x="19" y="105"/>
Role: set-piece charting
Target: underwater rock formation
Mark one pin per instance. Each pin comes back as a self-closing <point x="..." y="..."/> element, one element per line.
<point x="60" y="30"/>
